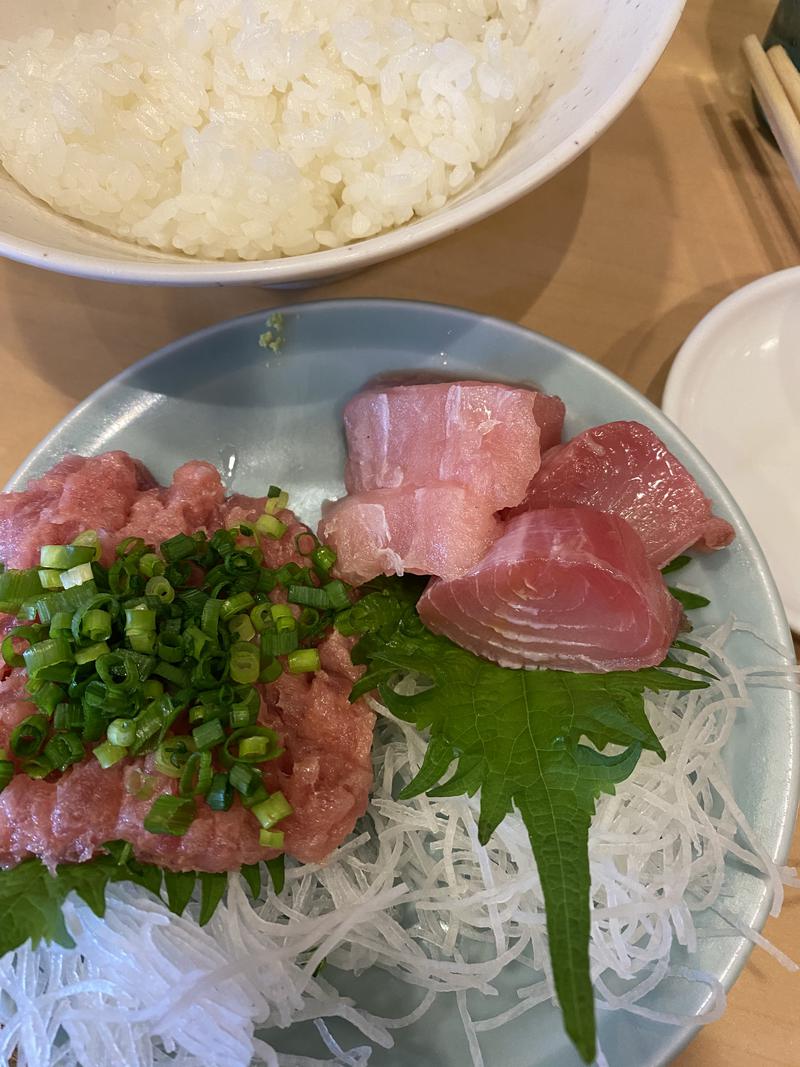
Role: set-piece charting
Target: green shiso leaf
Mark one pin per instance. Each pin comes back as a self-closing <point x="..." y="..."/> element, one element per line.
<point x="520" y="737"/>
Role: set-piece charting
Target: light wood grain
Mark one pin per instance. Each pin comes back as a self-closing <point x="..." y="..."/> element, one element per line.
<point x="680" y="203"/>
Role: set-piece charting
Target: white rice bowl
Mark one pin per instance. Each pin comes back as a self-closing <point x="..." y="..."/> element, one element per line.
<point x="251" y="129"/>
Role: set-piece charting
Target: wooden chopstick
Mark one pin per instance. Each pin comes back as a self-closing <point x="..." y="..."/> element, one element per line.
<point x="788" y="75"/>
<point x="777" y="106"/>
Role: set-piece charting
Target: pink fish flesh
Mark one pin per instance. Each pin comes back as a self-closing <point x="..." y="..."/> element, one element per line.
<point x="623" y="468"/>
<point x="484" y="436"/>
<point x="441" y="530"/>
<point x="568" y="588"/>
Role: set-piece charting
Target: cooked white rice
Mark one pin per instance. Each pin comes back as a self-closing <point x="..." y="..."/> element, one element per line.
<point x="249" y="129"/>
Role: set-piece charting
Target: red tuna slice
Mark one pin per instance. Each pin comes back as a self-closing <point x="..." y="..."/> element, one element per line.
<point x="569" y="588"/>
<point x="440" y="529"/>
<point x="482" y="435"/>
<point x="623" y="468"/>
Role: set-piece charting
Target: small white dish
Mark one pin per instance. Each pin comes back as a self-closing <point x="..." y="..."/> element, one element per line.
<point x="734" y="390"/>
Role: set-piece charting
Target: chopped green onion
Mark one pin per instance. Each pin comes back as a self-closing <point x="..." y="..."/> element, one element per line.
<point x="242" y="628"/>
<point x="158" y="586"/>
<point x="271" y="811"/>
<point x="209" y="622"/>
<point x="200" y="641"/>
<point x="220" y="795"/>
<point x="38" y="767"/>
<point x="245" y="663"/>
<point x="32" y="634"/>
<point x="152" y="688"/>
<point x="48" y="697"/>
<point x="16" y="586"/>
<point x="140" y="628"/>
<point x="151" y="565"/>
<point x="170" y="647"/>
<point x="242" y="714"/>
<point x="278" y="644"/>
<point x="90" y="539"/>
<point x="118" y="670"/>
<point x="283" y="617"/>
<point x="70" y="600"/>
<point x="141" y="618"/>
<point x="63" y="557"/>
<point x="337" y="595"/>
<point x="254" y="749"/>
<point x="96" y="626"/>
<point x="233" y="605"/>
<point x="268" y="526"/>
<point x="244" y="779"/>
<point x="271" y="838"/>
<point x="257" y="797"/>
<point x="308" y="595"/>
<point x="94" y="722"/>
<point x="107" y="754"/>
<point x="173" y="754"/>
<point x="122" y="732"/>
<point x="197" y="775"/>
<point x="29" y="735"/>
<point x="303" y="660"/>
<point x="55" y="651"/>
<point x="181" y="546"/>
<point x="323" y="559"/>
<point x="50" y="579"/>
<point x="170" y="815"/>
<point x="62" y="750"/>
<point x="211" y="671"/>
<point x="271" y="669"/>
<point x="272" y="749"/>
<point x="69" y="717"/>
<point x="208" y="735"/>
<point x="170" y="673"/>
<point x="61" y="624"/>
<point x="261" y="617"/>
<point x="91" y="653"/>
<point x="277" y="499"/>
<point x="150" y="721"/>
<point x="77" y="575"/>
<point x="131" y="547"/>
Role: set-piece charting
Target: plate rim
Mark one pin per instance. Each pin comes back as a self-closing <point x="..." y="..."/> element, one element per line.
<point x="682" y="1035"/>
<point x="692" y="351"/>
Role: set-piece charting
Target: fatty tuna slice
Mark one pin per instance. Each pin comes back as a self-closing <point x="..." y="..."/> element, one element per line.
<point x="441" y="530"/>
<point x="623" y="468"/>
<point x="568" y="588"/>
<point x="482" y="435"/>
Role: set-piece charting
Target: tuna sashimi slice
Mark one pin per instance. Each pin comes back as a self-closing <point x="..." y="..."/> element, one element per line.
<point x="441" y="530"/>
<point x="569" y="588"/>
<point x="623" y="468"/>
<point x="482" y="435"/>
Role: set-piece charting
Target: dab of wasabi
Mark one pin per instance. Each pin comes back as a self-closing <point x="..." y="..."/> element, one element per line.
<point x="272" y="337"/>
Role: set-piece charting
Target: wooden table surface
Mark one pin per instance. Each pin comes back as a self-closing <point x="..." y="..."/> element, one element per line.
<point x="679" y="204"/>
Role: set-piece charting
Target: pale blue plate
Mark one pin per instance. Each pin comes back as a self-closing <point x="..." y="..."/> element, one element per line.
<point x="266" y="417"/>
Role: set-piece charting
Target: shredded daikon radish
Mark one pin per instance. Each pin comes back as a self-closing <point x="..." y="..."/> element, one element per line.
<point x="414" y="894"/>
